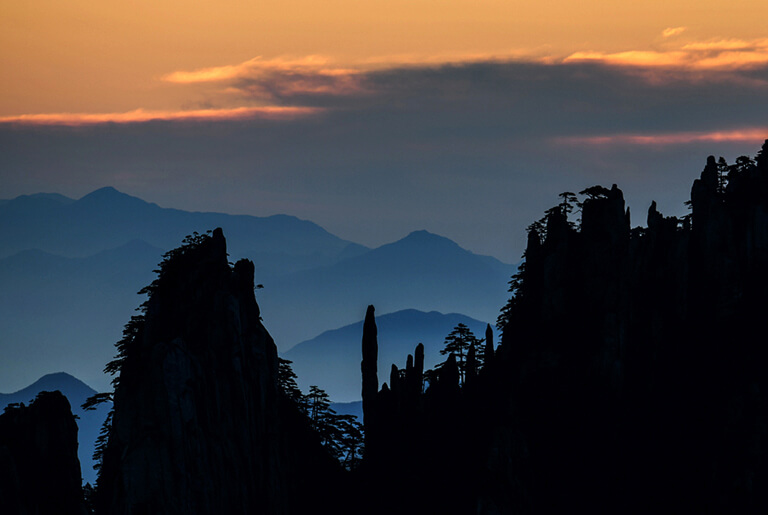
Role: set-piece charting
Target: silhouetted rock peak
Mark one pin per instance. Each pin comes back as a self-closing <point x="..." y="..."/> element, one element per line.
<point x="39" y="469"/>
<point x="630" y="377"/>
<point x="199" y="424"/>
<point x="369" y="369"/>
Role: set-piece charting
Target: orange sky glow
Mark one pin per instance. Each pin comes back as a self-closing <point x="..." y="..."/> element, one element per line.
<point x="140" y="115"/>
<point x="162" y="56"/>
<point x="741" y="135"/>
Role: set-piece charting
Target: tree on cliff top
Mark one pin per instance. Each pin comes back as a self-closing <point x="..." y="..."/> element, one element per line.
<point x="459" y="342"/>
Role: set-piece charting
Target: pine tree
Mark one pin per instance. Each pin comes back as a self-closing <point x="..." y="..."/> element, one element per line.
<point x="286" y="378"/>
<point x="342" y="435"/>
<point x="458" y="343"/>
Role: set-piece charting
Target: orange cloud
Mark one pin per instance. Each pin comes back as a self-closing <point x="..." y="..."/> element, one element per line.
<point x="673" y="31"/>
<point x="140" y="115"/>
<point x="703" y="55"/>
<point x="737" y="135"/>
<point x="268" y="78"/>
<point x="254" y="67"/>
<point x="631" y="57"/>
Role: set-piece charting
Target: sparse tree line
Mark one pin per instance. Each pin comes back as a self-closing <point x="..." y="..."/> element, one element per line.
<point x="341" y="435"/>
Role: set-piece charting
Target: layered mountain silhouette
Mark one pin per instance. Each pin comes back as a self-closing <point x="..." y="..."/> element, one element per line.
<point x="106" y="219"/>
<point x="630" y="378"/>
<point x="422" y="271"/>
<point x="72" y="269"/>
<point x="331" y="360"/>
<point x="65" y="313"/>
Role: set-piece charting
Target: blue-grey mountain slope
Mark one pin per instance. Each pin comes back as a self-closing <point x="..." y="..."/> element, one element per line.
<point x="422" y="271"/>
<point x="72" y="269"/>
<point x="332" y="359"/>
<point x="107" y="218"/>
<point x="67" y="313"/>
<point x="89" y="422"/>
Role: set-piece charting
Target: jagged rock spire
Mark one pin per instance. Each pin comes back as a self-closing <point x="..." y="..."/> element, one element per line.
<point x="488" y="345"/>
<point x="199" y="426"/>
<point x="369" y="369"/>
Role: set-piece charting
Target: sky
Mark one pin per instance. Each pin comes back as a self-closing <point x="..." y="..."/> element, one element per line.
<point x="376" y="118"/>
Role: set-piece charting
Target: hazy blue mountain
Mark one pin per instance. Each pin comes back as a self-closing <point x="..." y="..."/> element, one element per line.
<point x="70" y="270"/>
<point x="67" y="313"/>
<point x="70" y="386"/>
<point x="332" y="359"/>
<point x="422" y="271"/>
<point x="89" y="422"/>
<point x="107" y="218"/>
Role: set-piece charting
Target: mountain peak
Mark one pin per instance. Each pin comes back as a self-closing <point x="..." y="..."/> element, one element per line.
<point x="105" y="192"/>
<point x="423" y="240"/>
<point x="55" y="381"/>
<point x="423" y="234"/>
<point x="112" y="200"/>
<point x="73" y="389"/>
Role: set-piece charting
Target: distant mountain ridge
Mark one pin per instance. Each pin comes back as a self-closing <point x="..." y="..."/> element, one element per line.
<point x="58" y="312"/>
<point x="107" y="218"/>
<point x="71" y="269"/>
<point x="422" y="271"/>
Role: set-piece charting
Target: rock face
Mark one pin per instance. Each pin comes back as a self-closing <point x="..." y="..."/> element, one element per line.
<point x="199" y="425"/>
<point x="39" y="469"/>
<point x="631" y="374"/>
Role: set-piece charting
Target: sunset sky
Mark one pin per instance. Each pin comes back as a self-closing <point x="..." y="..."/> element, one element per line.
<point x="375" y="118"/>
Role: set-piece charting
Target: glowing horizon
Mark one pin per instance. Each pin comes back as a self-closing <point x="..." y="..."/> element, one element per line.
<point x="141" y="116"/>
<point x="113" y="57"/>
<point x="744" y="135"/>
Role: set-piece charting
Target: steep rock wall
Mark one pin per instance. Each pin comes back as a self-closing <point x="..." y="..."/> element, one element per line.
<point x="199" y="425"/>
<point x="39" y="469"/>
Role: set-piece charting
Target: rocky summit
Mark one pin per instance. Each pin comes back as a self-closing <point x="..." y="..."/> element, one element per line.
<point x="39" y="469"/>
<point x="199" y="425"/>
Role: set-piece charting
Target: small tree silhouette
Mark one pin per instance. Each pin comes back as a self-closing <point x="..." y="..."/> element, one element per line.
<point x="458" y="343"/>
<point x="342" y="435"/>
<point x="286" y="379"/>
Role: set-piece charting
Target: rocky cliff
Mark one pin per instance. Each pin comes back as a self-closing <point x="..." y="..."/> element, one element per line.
<point x="39" y="469"/>
<point x="199" y="424"/>
<point x="631" y="374"/>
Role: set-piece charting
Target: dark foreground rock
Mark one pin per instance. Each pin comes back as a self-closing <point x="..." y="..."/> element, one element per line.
<point x="631" y="377"/>
<point x="39" y="469"/>
<point x="199" y="424"/>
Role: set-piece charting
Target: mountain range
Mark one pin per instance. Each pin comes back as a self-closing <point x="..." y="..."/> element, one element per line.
<point x="106" y="218"/>
<point x="70" y="270"/>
